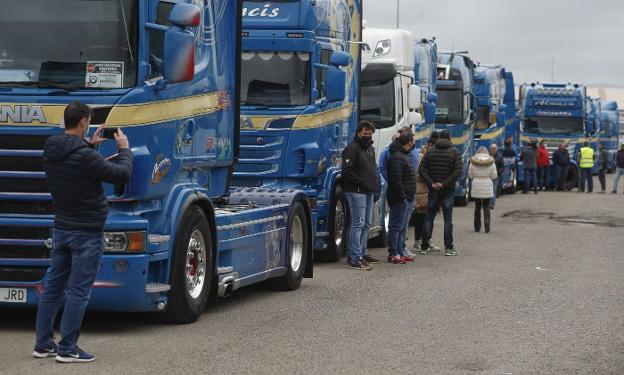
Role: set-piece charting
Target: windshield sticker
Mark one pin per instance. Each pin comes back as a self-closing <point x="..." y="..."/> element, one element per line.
<point x="104" y="74"/>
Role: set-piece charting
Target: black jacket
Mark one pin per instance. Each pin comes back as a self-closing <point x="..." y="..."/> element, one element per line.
<point x="500" y="163"/>
<point x="619" y="159"/>
<point x="561" y="158"/>
<point x="75" y="172"/>
<point x="603" y="159"/>
<point x="529" y="157"/>
<point x="442" y="163"/>
<point x="401" y="175"/>
<point x="359" y="169"/>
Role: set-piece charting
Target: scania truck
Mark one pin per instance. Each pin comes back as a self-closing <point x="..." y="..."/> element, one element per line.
<point x="425" y="70"/>
<point x="167" y="74"/>
<point x="491" y="118"/>
<point x="455" y="110"/>
<point x="299" y="104"/>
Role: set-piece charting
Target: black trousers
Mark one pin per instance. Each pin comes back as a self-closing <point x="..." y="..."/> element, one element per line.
<point x="485" y="205"/>
<point x="419" y="224"/>
<point x="602" y="178"/>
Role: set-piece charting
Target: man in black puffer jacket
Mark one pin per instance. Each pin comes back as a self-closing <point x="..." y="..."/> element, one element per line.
<point x="75" y="172"/>
<point x="401" y="193"/>
<point x="441" y="167"/>
<point x="360" y="183"/>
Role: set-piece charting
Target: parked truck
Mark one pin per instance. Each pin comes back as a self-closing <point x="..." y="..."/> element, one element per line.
<point x="167" y="74"/>
<point x="425" y="70"/>
<point x="455" y="110"/>
<point x="300" y="98"/>
<point x="490" y="83"/>
<point x="609" y="130"/>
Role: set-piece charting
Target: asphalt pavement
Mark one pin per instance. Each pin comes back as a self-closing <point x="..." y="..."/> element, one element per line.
<point x="543" y="293"/>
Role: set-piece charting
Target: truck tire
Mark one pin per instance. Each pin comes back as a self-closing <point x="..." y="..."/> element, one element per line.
<point x="298" y="245"/>
<point x="381" y="240"/>
<point x="338" y="223"/>
<point x="462" y="201"/>
<point x="572" y="180"/>
<point x="192" y="268"/>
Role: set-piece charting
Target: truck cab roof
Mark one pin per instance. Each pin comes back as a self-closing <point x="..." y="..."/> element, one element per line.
<point x="389" y="46"/>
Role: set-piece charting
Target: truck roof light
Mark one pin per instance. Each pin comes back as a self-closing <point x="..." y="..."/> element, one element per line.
<point x="295" y="35"/>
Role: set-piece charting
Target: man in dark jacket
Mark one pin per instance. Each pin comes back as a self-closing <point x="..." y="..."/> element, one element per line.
<point x="529" y="158"/>
<point x="619" y="168"/>
<point x="401" y="193"/>
<point x="603" y="164"/>
<point x="441" y="167"/>
<point x="75" y="172"/>
<point x="561" y="161"/>
<point x="360" y="183"/>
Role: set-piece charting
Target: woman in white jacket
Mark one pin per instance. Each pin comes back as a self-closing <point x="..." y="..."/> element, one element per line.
<point x="482" y="172"/>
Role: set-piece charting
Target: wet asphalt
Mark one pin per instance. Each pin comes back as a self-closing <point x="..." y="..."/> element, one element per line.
<point x="543" y="293"/>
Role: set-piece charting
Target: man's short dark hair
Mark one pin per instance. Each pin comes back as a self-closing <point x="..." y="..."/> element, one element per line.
<point x="75" y="112"/>
<point x="405" y="129"/>
<point x="445" y="134"/>
<point x="365" y="125"/>
<point x="585" y="144"/>
<point x="405" y="137"/>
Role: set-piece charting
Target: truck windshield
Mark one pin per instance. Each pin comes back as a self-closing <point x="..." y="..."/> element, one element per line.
<point x="378" y="104"/>
<point x="78" y="43"/>
<point x="449" y="106"/>
<point x="553" y="125"/>
<point x="275" y="79"/>
<point x="483" y="117"/>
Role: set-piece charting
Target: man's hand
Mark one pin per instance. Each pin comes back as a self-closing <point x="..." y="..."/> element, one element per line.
<point x="121" y="140"/>
<point x="437" y="186"/>
<point x="97" y="139"/>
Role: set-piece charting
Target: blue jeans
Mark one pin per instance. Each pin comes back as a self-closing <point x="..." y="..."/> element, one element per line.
<point x="586" y="174"/>
<point x="75" y="262"/>
<point x="530" y="175"/>
<point x="397" y="226"/>
<point x="619" y="172"/>
<point x="360" y="222"/>
<point x="446" y="198"/>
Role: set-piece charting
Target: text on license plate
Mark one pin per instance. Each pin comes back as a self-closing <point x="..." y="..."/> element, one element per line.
<point x="13" y="295"/>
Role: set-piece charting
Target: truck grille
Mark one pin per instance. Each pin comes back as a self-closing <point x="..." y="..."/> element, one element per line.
<point x="23" y="185"/>
<point x="32" y="244"/>
<point x="26" y="207"/>
<point x="22" y="274"/>
<point x="24" y="252"/>
<point x="22" y="142"/>
<point x="256" y="168"/>
<point x="13" y="164"/>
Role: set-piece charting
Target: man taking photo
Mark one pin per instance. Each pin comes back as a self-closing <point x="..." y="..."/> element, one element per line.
<point x="75" y="171"/>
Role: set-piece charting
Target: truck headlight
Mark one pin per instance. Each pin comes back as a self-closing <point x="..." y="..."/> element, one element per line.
<point x="120" y="242"/>
<point x="382" y="48"/>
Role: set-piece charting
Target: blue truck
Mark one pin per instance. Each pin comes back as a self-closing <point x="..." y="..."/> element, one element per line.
<point x="559" y="113"/>
<point x="167" y="73"/>
<point x="455" y="110"/>
<point x="609" y="129"/>
<point x="299" y="105"/>
<point x="425" y="71"/>
<point x="490" y="83"/>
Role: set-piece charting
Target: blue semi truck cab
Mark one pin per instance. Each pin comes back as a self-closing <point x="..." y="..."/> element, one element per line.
<point x="167" y="74"/>
<point x="299" y="103"/>
<point x="490" y="88"/>
<point x="455" y="110"/>
<point x="425" y="71"/>
<point x="558" y="113"/>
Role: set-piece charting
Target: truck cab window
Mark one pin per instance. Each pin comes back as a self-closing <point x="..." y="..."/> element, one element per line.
<point x="378" y="105"/>
<point x="321" y="73"/>
<point x="483" y="117"/>
<point x="157" y="38"/>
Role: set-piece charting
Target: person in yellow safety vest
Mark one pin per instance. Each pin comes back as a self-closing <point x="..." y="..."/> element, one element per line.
<point x="586" y="163"/>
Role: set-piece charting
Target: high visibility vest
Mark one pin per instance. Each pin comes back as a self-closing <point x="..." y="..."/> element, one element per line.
<point x="587" y="157"/>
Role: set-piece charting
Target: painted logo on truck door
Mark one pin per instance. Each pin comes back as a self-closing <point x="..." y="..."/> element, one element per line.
<point x="22" y="114"/>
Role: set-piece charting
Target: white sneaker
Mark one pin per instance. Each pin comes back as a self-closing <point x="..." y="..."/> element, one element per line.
<point x="433" y="248"/>
<point x="416" y="247"/>
<point x="408" y="253"/>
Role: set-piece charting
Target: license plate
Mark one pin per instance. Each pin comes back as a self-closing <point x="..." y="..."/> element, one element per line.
<point x="13" y="295"/>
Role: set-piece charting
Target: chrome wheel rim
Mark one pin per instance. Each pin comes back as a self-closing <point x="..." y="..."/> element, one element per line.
<point x="196" y="255"/>
<point x="296" y="244"/>
<point x="339" y="220"/>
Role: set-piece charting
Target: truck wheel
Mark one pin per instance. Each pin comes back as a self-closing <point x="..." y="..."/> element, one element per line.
<point x="462" y="201"/>
<point x="338" y="224"/>
<point x="572" y="180"/>
<point x="192" y="268"/>
<point x="297" y="248"/>
<point x="381" y="240"/>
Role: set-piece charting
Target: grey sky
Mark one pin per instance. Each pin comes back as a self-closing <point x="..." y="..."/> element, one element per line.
<point x="585" y="37"/>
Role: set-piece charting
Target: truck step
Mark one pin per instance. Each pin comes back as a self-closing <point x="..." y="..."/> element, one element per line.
<point x="157" y="288"/>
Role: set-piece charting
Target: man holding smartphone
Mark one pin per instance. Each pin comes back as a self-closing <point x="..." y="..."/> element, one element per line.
<point x="75" y="171"/>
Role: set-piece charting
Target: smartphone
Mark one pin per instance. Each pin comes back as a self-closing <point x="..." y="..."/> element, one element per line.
<point x="108" y="133"/>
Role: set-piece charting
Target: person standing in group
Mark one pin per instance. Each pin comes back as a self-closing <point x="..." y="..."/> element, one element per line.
<point x="603" y="164"/>
<point x="619" y="168"/>
<point x="441" y="167"/>
<point x="508" y="149"/>
<point x="482" y="172"/>
<point x="586" y="163"/>
<point x="529" y="158"/>
<point x="561" y="161"/>
<point x="542" y="165"/>
<point x="400" y="196"/>
<point x="75" y="171"/>
<point x="500" y="167"/>
<point x="422" y="192"/>
<point x="360" y="183"/>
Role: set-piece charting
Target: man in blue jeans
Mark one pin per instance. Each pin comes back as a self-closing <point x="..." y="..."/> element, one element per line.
<point x="440" y="167"/>
<point x="360" y="183"/>
<point x="75" y="171"/>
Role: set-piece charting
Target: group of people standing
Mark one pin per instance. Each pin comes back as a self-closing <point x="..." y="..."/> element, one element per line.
<point x="422" y="179"/>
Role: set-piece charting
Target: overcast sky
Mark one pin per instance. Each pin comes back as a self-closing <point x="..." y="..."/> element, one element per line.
<point x="585" y="37"/>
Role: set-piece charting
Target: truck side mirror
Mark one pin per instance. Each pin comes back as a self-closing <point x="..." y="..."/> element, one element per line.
<point x="339" y="58"/>
<point x="335" y="82"/>
<point x="432" y="97"/>
<point x="413" y="97"/>
<point x="414" y="118"/>
<point x="179" y="45"/>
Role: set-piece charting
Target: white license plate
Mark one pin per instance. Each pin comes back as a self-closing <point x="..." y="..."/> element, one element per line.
<point x="13" y="295"/>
